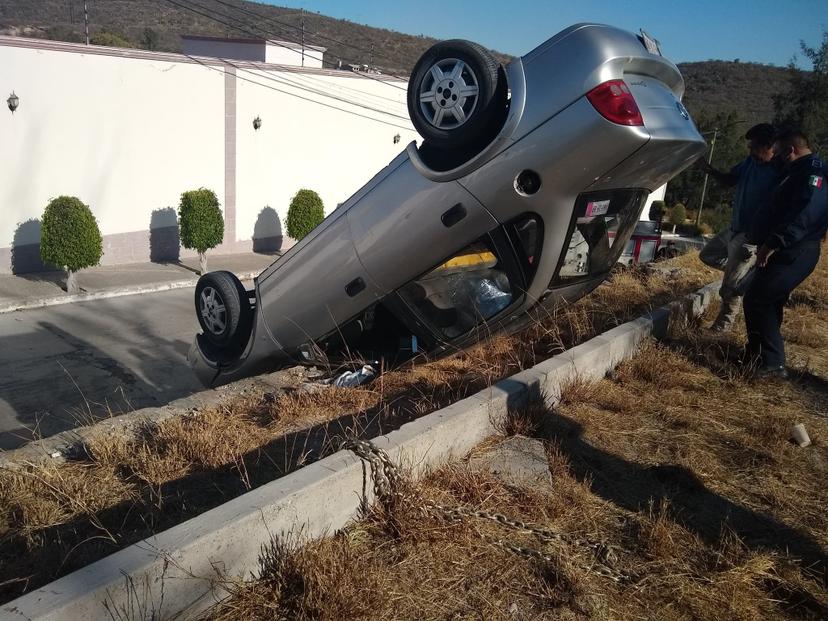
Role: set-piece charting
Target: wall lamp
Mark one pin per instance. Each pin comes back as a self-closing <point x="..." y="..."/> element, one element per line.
<point x="396" y="138"/>
<point x="257" y="123"/>
<point x="13" y="102"/>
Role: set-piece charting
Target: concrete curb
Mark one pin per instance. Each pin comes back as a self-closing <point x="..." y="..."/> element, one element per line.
<point x="175" y="574"/>
<point x="109" y="293"/>
<point x="72" y="443"/>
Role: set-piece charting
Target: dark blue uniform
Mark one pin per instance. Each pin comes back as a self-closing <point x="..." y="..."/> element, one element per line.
<point x="794" y="227"/>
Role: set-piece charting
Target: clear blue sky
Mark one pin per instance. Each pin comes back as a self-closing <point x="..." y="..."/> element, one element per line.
<point x="764" y="31"/>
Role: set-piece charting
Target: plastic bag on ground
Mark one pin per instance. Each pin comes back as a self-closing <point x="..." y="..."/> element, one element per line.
<point x="349" y="379"/>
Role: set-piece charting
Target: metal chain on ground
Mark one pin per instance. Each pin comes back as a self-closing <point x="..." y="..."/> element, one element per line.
<point x="388" y="485"/>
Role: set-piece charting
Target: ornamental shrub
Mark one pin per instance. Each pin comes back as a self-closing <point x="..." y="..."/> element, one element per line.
<point x="200" y="222"/>
<point x="305" y="213"/>
<point x="657" y="210"/>
<point x="69" y="235"/>
<point x="678" y="214"/>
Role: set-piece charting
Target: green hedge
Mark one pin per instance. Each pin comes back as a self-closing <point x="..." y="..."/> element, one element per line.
<point x="657" y="210"/>
<point x="69" y="235"/>
<point x="200" y="220"/>
<point x="678" y="214"/>
<point x="305" y="213"/>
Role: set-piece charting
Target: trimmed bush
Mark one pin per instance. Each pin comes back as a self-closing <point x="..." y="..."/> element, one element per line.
<point x="305" y="213"/>
<point x="657" y="210"/>
<point x="200" y="222"/>
<point x="70" y="237"/>
<point x="678" y="214"/>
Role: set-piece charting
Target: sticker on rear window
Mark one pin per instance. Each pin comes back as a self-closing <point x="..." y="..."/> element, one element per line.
<point x="597" y="208"/>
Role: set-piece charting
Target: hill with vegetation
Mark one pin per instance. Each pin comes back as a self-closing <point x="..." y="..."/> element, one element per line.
<point x="719" y="87"/>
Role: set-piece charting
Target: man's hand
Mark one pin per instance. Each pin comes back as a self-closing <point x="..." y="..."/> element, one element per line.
<point x="763" y="254"/>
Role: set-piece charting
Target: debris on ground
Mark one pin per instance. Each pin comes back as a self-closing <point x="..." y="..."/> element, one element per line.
<point x="350" y="379"/>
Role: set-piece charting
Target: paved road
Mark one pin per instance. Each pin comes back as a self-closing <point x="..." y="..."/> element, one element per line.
<point x="65" y="364"/>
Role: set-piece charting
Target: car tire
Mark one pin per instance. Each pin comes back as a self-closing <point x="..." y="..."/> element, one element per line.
<point x="223" y="309"/>
<point x="456" y="93"/>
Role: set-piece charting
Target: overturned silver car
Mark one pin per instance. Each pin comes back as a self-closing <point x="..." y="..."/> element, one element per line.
<point x="527" y="186"/>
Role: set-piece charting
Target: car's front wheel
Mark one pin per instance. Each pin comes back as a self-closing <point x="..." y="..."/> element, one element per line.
<point x="455" y="94"/>
<point x="223" y="309"/>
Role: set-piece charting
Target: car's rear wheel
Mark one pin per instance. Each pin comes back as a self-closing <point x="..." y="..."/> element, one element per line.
<point x="223" y="309"/>
<point x="455" y="94"/>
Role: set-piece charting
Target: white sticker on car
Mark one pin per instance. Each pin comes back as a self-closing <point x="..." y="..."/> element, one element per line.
<point x="597" y="208"/>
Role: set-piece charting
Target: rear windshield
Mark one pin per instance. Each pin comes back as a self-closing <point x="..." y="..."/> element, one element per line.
<point x="601" y="227"/>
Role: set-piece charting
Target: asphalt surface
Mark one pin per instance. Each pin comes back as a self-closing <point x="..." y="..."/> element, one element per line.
<point x="64" y="366"/>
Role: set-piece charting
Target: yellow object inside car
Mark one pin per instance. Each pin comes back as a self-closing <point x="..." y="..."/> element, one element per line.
<point x="474" y="260"/>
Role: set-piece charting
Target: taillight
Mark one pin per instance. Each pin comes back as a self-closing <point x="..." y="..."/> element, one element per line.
<point x="615" y="102"/>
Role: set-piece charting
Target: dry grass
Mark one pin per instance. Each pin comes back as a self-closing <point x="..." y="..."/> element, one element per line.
<point x="122" y="491"/>
<point x="678" y="462"/>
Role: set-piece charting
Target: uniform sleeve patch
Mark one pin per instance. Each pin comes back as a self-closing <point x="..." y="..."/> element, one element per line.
<point x="815" y="180"/>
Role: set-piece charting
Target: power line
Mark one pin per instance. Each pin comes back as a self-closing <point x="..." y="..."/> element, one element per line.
<point x="317" y="35"/>
<point x="278" y="90"/>
<point x="317" y="91"/>
<point x="340" y="87"/>
<point x="288" y="82"/>
<point x="299" y="28"/>
<point x="192" y="4"/>
<point x="248" y="31"/>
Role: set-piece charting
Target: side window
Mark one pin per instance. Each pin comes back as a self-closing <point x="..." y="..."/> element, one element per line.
<point x="467" y="289"/>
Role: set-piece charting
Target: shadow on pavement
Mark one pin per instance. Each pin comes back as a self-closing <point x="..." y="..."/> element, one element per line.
<point x="86" y="362"/>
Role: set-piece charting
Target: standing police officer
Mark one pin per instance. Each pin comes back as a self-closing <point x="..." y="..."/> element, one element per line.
<point x="755" y="179"/>
<point x="789" y="237"/>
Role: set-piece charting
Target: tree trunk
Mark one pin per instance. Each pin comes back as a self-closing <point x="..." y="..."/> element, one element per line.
<point x="202" y="262"/>
<point x="71" y="282"/>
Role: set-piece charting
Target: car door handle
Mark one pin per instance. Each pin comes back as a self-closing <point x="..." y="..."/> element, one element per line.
<point x="354" y="287"/>
<point x="453" y="215"/>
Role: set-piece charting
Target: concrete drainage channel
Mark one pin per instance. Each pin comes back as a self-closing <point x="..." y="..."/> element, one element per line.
<point x="174" y="574"/>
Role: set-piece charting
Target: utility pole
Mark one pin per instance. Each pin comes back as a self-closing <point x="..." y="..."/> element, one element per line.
<point x="704" y="185"/>
<point x="303" y="36"/>
<point x="86" y="20"/>
<point x="371" y="58"/>
<point x="71" y="12"/>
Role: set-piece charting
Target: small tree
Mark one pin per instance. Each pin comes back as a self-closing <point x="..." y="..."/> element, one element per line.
<point x="70" y="237"/>
<point x="200" y="223"/>
<point x="305" y="213"/>
<point x="657" y="209"/>
<point x="678" y="214"/>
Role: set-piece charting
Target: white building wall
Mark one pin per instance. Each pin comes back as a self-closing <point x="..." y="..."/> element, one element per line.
<point x="656" y="195"/>
<point x="122" y="135"/>
<point x="128" y="131"/>
<point x="306" y="145"/>
<point x="288" y="54"/>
